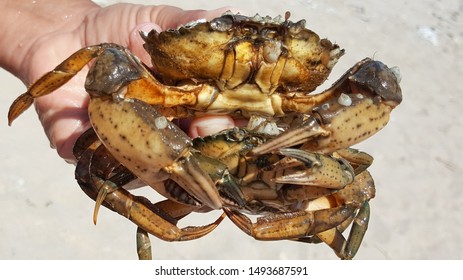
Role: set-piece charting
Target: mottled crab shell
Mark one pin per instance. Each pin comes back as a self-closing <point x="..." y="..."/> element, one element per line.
<point x="234" y="49"/>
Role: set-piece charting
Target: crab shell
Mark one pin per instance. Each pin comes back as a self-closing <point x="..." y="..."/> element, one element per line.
<point x="232" y="50"/>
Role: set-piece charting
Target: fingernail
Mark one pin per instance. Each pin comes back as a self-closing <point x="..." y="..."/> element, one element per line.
<point x="209" y="125"/>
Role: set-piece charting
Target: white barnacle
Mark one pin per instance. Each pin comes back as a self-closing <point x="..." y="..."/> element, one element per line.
<point x="221" y="24"/>
<point x="359" y="96"/>
<point x="267" y="19"/>
<point x="344" y="100"/>
<point x="335" y="54"/>
<point x="256" y="18"/>
<point x="396" y="71"/>
<point x="262" y="125"/>
<point x="120" y="94"/>
<point x="325" y="106"/>
<point x="278" y="19"/>
<point x="272" y="51"/>
<point x="160" y="122"/>
<point x="254" y="122"/>
<point x="268" y="128"/>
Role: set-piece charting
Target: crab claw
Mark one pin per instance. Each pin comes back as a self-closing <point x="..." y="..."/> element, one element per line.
<point x="151" y="147"/>
<point x="356" y="107"/>
<point x="318" y="170"/>
<point x="359" y="160"/>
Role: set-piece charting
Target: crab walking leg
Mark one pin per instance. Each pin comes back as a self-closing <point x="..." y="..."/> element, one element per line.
<point x="291" y="225"/>
<point x="143" y="245"/>
<point x="358" y="193"/>
<point x="95" y="163"/>
<point x="93" y="159"/>
<point x="136" y="208"/>
<point x="175" y="210"/>
<point x="357" y="232"/>
<point x="333" y="237"/>
<point x="146" y="215"/>
<point x="114" y="68"/>
<point x="55" y="78"/>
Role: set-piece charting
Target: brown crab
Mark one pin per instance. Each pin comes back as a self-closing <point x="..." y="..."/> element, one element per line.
<point x="256" y="67"/>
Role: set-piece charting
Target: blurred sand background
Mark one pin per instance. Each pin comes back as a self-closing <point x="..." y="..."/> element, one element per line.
<point x="417" y="212"/>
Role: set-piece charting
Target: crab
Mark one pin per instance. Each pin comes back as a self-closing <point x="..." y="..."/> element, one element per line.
<point x="296" y="142"/>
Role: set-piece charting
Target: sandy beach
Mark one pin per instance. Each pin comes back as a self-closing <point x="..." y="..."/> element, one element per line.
<point x="417" y="211"/>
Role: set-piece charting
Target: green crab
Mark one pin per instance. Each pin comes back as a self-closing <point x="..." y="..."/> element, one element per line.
<point x="292" y="163"/>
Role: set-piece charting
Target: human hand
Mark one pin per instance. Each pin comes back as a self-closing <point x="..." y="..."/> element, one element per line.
<point x="64" y="113"/>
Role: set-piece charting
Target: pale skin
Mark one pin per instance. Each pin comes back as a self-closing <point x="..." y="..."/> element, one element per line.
<point x="38" y="35"/>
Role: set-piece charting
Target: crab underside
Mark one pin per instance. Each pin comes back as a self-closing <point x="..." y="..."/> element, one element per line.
<point x="293" y="165"/>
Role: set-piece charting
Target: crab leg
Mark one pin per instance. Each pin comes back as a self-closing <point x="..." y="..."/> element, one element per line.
<point x="357" y="232"/>
<point x="333" y="237"/>
<point x="138" y="209"/>
<point x="104" y="78"/>
<point x="143" y="245"/>
<point x="54" y="79"/>
<point x="357" y="194"/>
<point x="291" y="225"/>
<point x="89" y="149"/>
<point x="175" y="210"/>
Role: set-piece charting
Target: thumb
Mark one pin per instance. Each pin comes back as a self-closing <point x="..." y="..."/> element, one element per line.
<point x="207" y="125"/>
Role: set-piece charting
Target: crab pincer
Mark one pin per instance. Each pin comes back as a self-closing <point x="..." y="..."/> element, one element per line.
<point x="163" y="151"/>
<point x="354" y="108"/>
<point x="99" y="172"/>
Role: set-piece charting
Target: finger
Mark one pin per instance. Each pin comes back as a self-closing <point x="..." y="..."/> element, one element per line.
<point x="64" y="118"/>
<point x="172" y="17"/>
<point x="136" y="42"/>
<point x="207" y="125"/>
